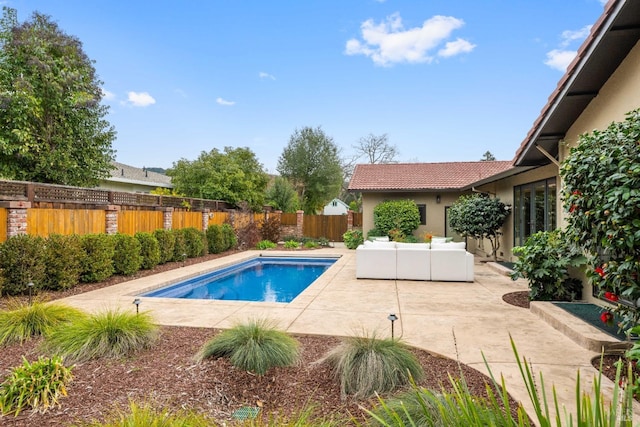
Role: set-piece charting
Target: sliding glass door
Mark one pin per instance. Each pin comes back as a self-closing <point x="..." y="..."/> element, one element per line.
<point x="534" y="209"/>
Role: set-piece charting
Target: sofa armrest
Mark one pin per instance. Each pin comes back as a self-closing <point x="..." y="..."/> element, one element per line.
<point x="375" y="262"/>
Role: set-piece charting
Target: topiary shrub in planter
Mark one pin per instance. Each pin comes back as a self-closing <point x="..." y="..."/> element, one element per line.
<point x="22" y="260"/>
<point x="544" y="261"/>
<point x="352" y="238"/>
<point x="400" y="215"/>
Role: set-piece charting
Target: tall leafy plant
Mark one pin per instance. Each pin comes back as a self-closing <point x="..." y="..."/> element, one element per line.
<point x="602" y="199"/>
<point x="397" y="216"/>
<point x="480" y="217"/>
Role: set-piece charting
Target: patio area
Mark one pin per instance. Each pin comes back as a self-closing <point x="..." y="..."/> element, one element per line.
<point x="456" y="319"/>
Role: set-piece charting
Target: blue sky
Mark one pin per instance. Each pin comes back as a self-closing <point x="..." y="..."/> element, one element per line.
<point x="446" y="80"/>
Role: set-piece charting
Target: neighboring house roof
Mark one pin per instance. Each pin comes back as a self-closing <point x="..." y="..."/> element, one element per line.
<point x="609" y="42"/>
<point x="338" y="201"/>
<point x="424" y="176"/>
<point x="133" y="175"/>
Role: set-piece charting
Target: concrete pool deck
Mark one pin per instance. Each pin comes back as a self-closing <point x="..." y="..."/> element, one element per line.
<point x="459" y="320"/>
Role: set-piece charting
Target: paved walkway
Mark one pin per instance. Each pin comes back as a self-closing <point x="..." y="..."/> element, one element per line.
<point x="458" y="320"/>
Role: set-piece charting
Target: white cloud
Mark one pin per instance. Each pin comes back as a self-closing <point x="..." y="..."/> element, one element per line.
<point x="224" y="101"/>
<point x="264" y="75"/>
<point x="140" y="99"/>
<point x="560" y="59"/>
<point x="569" y="36"/>
<point x="456" y="47"/>
<point x="389" y="42"/>
<point x="108" y="96"/>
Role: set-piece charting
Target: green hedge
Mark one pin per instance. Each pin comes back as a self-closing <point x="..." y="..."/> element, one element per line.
<point x="149" y="249"/>
<point x="63" y="261"/>
<point x="22" y="260"/>
<point x="126" y="258"/>
<point x="97" y="265"/>
<point x="167" y="242"/>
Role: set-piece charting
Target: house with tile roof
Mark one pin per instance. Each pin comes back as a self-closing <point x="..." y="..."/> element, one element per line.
<point x="129" y="178"/>
<point x="433" y="186"/>
<point x="600" y="86"/>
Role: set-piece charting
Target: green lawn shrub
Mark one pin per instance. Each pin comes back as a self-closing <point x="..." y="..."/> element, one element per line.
<point x="127" y="259"/>
<point x="63" y="261"/>
<point x="229" y="236"/>
<point x="291" y="244"/>
<point x="265" y="244"/>
<point x="21" y="321"/>
<point x="108" y="334"/>
<point x="366" y="365"/>
<point x="179" y="246"/>
<point x="311" y="244"/>
<point x="97" y="263"/>
<point x="22" y="260"/>
<point x="38" y="385"/>
<point x="352" y="239"/>
<point x="149" y="250"/>
<point x="255" y="346"/>
<point x="166" y="241"/>
<point x="270" y="229"/>
<point x="544" y="260"/>
<point x="195" y="242"/>
<point x="215" y="239"/>
<point x="400" y="215"/>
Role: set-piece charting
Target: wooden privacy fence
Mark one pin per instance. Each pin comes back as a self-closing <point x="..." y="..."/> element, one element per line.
<point x="44" y="222"/>
<point x="331" y="227"/>
<point x="131" y="222"/>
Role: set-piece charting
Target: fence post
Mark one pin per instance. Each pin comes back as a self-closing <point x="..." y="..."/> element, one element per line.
<point x="299" y="223"/>
<point x="205" y="219"/>
<point x="16" y="217"/>
<point x="349" y="220"/>
<point x="111" y="219"/>
<point x="167" y="218"/>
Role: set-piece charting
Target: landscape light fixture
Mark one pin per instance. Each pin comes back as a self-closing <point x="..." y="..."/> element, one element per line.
<point x="137" y="302"/>
<point x="392" y="317"/>
<point x="438" y="198"/>
<point x="30" y="286"/>
<point x="184" y="259"/>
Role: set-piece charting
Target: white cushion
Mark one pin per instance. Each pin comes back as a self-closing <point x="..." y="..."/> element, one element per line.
<point x="438" y="239"/>
<point x="412" y="245"/>
<point x="381" y="239"/>
<point x="449" y="246"/>
<point x="377" y="244"/>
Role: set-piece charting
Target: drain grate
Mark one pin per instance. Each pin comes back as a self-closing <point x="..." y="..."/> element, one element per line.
<point x="246" y="413"/>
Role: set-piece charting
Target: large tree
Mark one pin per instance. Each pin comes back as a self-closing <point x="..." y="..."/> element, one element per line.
<point x="282" y="196"/>
<point x="312" y="164"/>
<point x="52" y="126"/>
<point x="233" y="175"/>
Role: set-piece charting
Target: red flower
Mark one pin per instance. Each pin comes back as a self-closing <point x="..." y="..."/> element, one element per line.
<point x="600" y="271"/>
<point x="577" y="193"/>
<point x="611" y="296"/>
<point x="607" y="318"/>
<point x="572" y="208"/>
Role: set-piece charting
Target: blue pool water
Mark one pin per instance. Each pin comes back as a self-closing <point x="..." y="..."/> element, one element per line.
<point x="273" y="279"/>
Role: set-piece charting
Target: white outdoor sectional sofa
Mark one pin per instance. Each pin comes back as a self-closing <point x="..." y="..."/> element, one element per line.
<point x="436" y="261"/>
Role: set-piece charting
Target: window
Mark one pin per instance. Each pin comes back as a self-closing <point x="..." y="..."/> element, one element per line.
<point x="423" y="214"/>
<point x="534" y="209"/>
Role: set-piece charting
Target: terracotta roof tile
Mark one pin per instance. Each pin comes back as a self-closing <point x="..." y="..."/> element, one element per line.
<point x="423" y="176"/>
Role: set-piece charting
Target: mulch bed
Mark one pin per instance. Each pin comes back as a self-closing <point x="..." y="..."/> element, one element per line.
<point x="166" y="375"/>
<point x="519" y="299"/>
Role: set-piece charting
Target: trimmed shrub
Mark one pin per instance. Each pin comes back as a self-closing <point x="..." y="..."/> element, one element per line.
<point x="22" y="321"/>
<point x="97" y="262"/>
<point x="149" y="250"/>
<point x="311" y="244"/>
<point x="126" y="258"/>
<point x="214" y="239"/>
<point x="255" y="346"/>
<point x="63" y="261"/>
<point x="166" y="241"/>
<point x="195" y="242"/>
<point x="179" y="247"/>
<point x="368" y="365"/>
<point x="291" y="244"/>
<point x="374" y="232"/>
<point x="401" y="215"/>
<point x="22" y="260"/>
<point x="110" y="334"/>
<point x="266" y="244"/>
<point x="352" y="238"/>
<point x="270" y="229"/>
<point x="36" y="385"/>
<point x="229" y="237"/>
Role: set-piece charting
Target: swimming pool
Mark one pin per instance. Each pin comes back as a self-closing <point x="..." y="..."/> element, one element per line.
<point x="272" y="279"/>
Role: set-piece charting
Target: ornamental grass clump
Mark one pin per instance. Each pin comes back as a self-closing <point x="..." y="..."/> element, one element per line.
<point x="22" y="321"/>
<point x="366" y="365"/>
<point x="256" y="346"/>
<point x="110" y="334"/>
<point x="36" y="385"/>
<point x="145" y="415"/>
